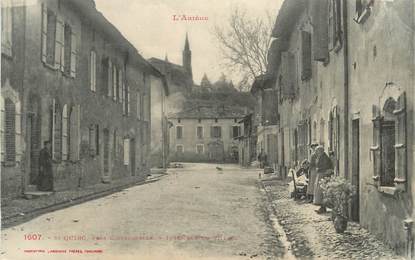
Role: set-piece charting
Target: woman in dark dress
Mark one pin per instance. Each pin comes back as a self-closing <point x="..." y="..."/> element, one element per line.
<point x="45" y="182"/>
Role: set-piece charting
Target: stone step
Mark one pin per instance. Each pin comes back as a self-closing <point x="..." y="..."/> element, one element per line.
<point x="36" y="194"/>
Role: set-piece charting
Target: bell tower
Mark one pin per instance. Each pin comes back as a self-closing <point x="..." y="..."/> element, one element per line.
<point x="187" y="58"/>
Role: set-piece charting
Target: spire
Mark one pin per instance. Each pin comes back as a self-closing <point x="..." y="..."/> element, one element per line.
<point x="186" y="43"/>
<point x="166" y="58"/>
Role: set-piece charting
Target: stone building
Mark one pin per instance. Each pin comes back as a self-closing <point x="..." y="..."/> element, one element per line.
<point x="205" y="133"/>
<point x="344" y="74"/>
<point x="179" y="78"/>
<point x="70" y="77"/>
<point x="159" y="124"/>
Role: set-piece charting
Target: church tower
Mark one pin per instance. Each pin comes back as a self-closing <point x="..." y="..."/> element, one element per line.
<point x="187" y="58"/>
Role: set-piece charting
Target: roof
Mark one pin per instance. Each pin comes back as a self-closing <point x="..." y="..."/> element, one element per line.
<point x="210" y="112"/>
<point x="174" y="72"/>
<point x="287" y="17"/>
<point x="88" y="9"/>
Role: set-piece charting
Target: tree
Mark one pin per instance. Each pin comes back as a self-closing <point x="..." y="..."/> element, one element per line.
<point x="244" y="43"/>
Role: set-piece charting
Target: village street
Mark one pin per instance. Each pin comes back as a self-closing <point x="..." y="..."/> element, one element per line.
<point x="194" y="212"/>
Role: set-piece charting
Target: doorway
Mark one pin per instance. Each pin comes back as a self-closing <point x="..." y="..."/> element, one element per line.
<point x="355" y="207"/>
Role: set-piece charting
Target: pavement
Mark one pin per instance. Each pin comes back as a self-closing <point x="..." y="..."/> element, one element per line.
<point x="20" y="209"/>
<point x="312" y="236"/>
<point x="200" y="211"/>
<point x="197" y="212"/>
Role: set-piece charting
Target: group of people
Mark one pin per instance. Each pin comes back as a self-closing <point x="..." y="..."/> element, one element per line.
<point x="319" y="166"/>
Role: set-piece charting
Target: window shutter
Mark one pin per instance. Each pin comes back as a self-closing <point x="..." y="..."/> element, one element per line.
<point x="231" y="132"/>
<point x="138" y="106"/>
<point x="212" y="135"/>
<point x="319" y="17"/>
<point x="53" y="125"/>
<point x="93" y="71"/>
<point x="74" y="52"/>
<point x="128" y="99"/>
<point x="109" y="78"/>
<point x="97" y="140"/>
<point x="120" y="87"/>
<point x="126" y="151"/>
<point x="288" y="75"/>
<point x="18" y="131"/>
<point x="44" y="32"/>
<point x="65" y="132"/>
<point x="305" y="55"/>
<point x="376" y="147"/>
<point x="10" y="130"/>
<point x="400" y="139"/>
<point x="2" y="129"/>
<point x="59" y="44"/>
<point x="114" y="82"/>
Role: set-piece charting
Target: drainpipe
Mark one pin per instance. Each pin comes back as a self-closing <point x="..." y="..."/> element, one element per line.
<point x="346" y="87"/>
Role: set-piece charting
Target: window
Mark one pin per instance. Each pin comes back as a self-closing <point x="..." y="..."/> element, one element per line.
<point x="10" y="130"/>
<point x="179" y="149"/>
<point x="107" y="76"/>
<point x="114" y="145"/>
<point x="106" y="158"/>
<point x="334" y="24"/>
<point x="74" y="132"/>
<point x="216" y="132"/>
<point x="305" y="55"/>
<point x="199" y="132"/>
<point x="56" y="130"/>
<point x="322" y="128"/>
<point x="114" y="83"/>
<point x="48" y="36"/>
<point x="67" y="48"/>
<point x="126" y="151"/>
<point x="93" y="71"/>
<point x="200" y="148"/>
<point x="179" y="132"/>
<point x="94" y="139"/>
<point x="138" y="105"/>
<point x="389" y="142"/>
<point x="236" y="131"/>
<point x="121" y="87"/>
<point x="65" y="133"/>
<point x="6" y="27"/>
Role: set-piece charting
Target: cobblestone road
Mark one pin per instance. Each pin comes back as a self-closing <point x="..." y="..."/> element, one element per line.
<point x="313" y="236"/>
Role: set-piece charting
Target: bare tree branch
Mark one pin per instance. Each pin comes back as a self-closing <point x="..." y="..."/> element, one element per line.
<point x="244" y="42"/>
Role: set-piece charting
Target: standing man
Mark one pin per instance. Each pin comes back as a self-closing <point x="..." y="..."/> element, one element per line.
<point x="312" y="173"/>
<point x="45" y="182"/>
<point x="324" y="168"/>
<point x="262" y="158"/>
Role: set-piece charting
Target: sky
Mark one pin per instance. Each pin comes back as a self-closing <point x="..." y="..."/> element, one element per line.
<point x="150" y="27"/>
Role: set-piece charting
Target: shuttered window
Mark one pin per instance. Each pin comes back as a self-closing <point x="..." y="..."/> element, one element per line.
<point x="199" y="132"/>
<point x="126" y="151"/>
<point x="114" y="83"/>
<point x="74" y="133"/>
<point x="49" y="36"/>
<point x="216" y="132"/>
<point x="6" y="27"/>
<point x="107" y="76"/>
<point x="138" y="105"/>
<point x="121" y="86"/>
<point x="179" y="132"/>
<point x="10" y="130"/>
<point x="305" y="55"/>
<point x="389" y="149"/>
<point x="289" y="77"/>
<point x="65" y="133"/>
<point x="93" y="71"/>
<point x="319" y="17"/>
<point x="60" y="44"/>
<point x="56" y="113"/>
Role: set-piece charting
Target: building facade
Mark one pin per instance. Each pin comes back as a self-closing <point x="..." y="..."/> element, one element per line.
<point x="70" y="77"/>
<point x="159" y="124"/>
<point x="344" y="74"/>
<point x="205" y="134"/>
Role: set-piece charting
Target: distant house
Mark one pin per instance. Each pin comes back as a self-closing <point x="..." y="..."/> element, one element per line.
<point x="266" y="118"/>
<point x="206" y="133"/>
